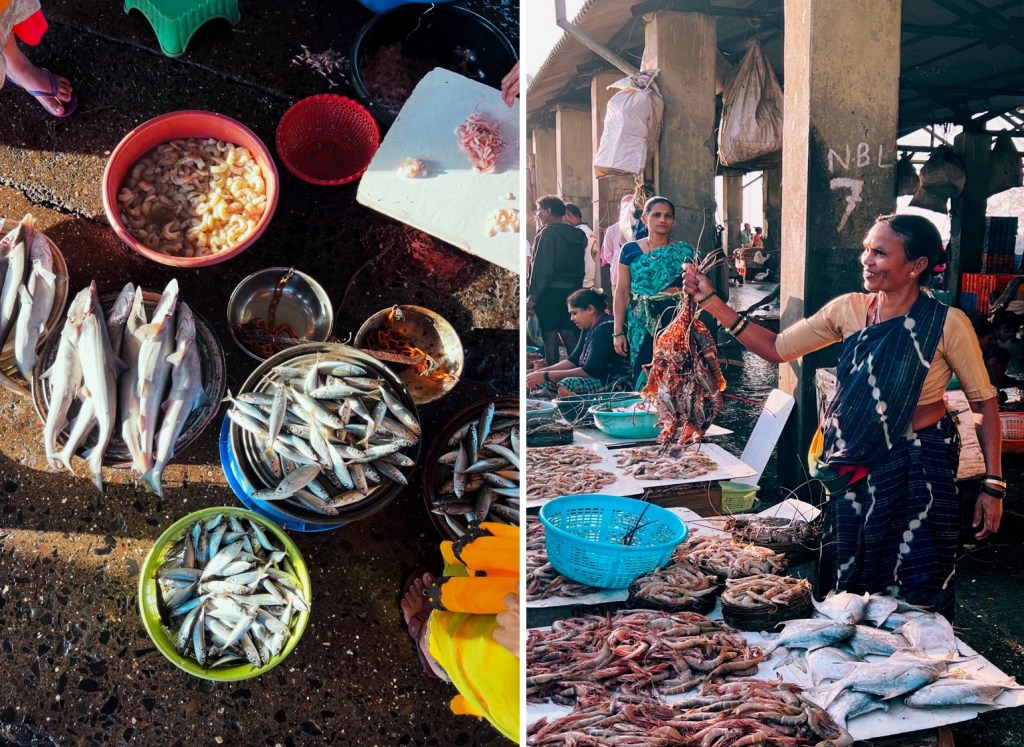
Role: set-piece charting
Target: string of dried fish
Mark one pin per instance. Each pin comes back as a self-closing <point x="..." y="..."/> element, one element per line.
<point x="722" y="556"/>
<point x="542" y="580"/>
<point x="648" y="463"/>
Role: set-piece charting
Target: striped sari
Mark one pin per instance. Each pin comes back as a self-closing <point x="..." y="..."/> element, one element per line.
<point x="892" y="513"/>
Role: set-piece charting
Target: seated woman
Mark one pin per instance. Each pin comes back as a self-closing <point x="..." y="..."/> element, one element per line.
<point x="593" y="366"/>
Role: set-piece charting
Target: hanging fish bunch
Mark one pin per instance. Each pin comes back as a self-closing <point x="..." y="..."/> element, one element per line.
<point x="136" y="381"/>
<point x="334" y="432"/>
<point x="685" y="382"/>
<point x="28" y="288"/>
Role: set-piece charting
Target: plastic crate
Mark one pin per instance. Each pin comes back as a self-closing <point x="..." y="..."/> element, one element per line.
<point x="1013" y="432"/>
<point x="584" y="537"/>
<point x="737" y="497"/>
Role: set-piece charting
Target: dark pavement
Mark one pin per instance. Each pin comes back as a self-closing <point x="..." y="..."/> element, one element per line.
<point x="77" y="666"/>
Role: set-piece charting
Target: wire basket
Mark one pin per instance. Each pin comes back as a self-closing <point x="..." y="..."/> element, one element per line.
<point x="1013" y="432"/>
<point x="606" y="540"/>
<point x="327" y="139"/>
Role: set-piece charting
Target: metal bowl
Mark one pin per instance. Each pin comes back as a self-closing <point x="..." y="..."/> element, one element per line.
<point x="56" y="319"/>
<point x="302" y="303"/>
<point x="211" y="354"/>
<point x="431" y="333"/>
<point x="258" y="470"/>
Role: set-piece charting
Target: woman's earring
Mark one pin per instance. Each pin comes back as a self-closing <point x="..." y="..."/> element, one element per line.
<point x="913" y="274"/>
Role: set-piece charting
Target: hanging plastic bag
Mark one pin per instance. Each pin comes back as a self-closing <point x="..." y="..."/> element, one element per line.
<point x="943" y="176"/>
<point x="632" y="126"/>
<point x="751" y="127"/>
<point x="1005" y="170"/>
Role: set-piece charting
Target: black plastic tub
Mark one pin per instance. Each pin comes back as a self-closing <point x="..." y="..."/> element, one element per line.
<point x="427" y="37"/>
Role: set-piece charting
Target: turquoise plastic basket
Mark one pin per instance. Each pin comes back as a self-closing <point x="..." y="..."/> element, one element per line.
<point x="584" y="534"/>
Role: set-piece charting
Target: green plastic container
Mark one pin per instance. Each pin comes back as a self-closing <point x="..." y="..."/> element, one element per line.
<point x="737" y="497"/>
<point x="149" y="596"/>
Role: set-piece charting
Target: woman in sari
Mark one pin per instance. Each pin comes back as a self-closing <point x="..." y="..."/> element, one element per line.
<point x="594" y="366"/>
<point x="887" y="449"/>
<point x="647" y="290"/>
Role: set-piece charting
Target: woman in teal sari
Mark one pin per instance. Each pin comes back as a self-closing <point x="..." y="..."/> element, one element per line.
<point x="649" y="280"/>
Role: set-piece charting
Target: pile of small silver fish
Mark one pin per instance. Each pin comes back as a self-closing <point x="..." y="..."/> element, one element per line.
<point x="641" y="653"/>
<point x="918" y="654"/>
<point x="728" y="559"/>
<point x="678" y="586"/>
<point x="138" y="381"/>
<point x="542" y="580"/>
<point x="480" y="475"/>
<point x="333" y="432"/>
<point x="729" y="714"/>
<point x="228" y="593"/>
<point x="648" y="463"/>
<point x="561" y="470"/>
<point x="28" y="288"/>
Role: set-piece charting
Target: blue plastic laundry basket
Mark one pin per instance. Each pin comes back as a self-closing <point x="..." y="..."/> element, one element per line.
<point x="584" y="537"/>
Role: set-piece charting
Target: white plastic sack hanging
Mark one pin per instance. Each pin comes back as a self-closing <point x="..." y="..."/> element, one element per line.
<point x="751" y="127"/>
<point x="632" y="126"/>
<point x="1005" y="171"/>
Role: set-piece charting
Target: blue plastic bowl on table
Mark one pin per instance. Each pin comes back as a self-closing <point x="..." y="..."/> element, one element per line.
<point x="628" y="423"/>
<point x="586" y="537"/>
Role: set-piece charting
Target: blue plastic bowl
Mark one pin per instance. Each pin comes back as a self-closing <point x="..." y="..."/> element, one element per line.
<point x="629" y="424"/>
<point x="539" y="408"/>
<point x="584" y="538"/>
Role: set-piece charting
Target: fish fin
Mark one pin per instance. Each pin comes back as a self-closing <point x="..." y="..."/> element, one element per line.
<point x="202" y="399"/>
<point x="149" y="331"/>
<point x="175" y="358"/>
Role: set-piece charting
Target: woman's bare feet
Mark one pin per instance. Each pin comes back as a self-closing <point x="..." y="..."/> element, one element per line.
<point x="38" y="81"/>
<point x="415" y="611"/>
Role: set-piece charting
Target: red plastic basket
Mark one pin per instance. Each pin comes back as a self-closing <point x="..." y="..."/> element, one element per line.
<point x="327" y="139"/>
<point x="1013" y="432"/>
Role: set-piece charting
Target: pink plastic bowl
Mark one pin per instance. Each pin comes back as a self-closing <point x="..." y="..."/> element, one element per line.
<point x="171" y="126"/>
<point x="327" y="139"/>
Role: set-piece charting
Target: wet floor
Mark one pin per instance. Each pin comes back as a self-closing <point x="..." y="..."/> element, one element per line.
<point x="78" y="667"/>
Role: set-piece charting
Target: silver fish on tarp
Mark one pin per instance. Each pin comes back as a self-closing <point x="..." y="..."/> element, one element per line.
<point x="810" y="634"/>
<point x="958" y="692"/>
<point x="867" y="640"/>
<point x="891" y="678"/>
<point x="828" y="664"/>
<point x="929" y="633"/>
<point x="850" y="704"/>
<point x="844" y="606"/>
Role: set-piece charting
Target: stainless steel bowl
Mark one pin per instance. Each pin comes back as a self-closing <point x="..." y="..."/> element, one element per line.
<point x="302" y="303"/>
<point x="431" y="333"/>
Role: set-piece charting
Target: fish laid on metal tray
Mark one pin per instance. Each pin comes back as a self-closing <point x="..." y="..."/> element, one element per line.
<point x="729" y="714"/>
<point x="228" y="594"/>
<point x="28" y="289"/>
<point x="333" y="432"/>
<point x="136" y="380"/>
<point x="542" y="580"/>
<point x="480" y="475"/>
<point x="685" y="382"/>
<point x="562" y="470"/>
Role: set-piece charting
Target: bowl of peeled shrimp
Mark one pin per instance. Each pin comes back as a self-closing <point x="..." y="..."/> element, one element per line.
<point x="190" y="188"/>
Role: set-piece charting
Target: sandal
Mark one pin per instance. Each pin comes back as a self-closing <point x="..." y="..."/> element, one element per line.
<point x="69" y="106"/>
<point x="418" y="621"/>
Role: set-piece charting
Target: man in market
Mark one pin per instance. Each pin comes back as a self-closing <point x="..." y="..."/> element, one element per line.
<point x="574" y="217"/>
<point x="746" y="235"/>
<point x="558" y="267"/>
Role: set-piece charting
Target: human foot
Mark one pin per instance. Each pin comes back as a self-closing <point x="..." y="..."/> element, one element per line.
<point x="415" y="611"/>
<point x="53" y="92"/>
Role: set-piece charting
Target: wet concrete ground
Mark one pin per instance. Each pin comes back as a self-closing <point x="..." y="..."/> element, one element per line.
<point x="78" y="668"/>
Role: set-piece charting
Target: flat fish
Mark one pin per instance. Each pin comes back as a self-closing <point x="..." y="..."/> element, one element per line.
<point x="879" y="608"/>
<point x="829" y="664"/>
<point x="891" y="678"/>
<point x="850" y="704"/>
<point x="957" y="692"/>
<point x="929" y="633"/>
<point x="810" y="634"/>
<point x="844" y="606"/>
<point x="867" y="640"/>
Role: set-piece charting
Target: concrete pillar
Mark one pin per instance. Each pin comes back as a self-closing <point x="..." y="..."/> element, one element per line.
<point x="837" y="171"/>
<point x="771" y="193"/>
<point x="732" y="196"/>
<point x="545" y="162"/>
<point x="574" y="159"/>
<point x="684" y="47"/>
<point x="967" y="221"/>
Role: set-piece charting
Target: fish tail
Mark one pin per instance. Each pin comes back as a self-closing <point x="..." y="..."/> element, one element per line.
<point x="151" y="478"/>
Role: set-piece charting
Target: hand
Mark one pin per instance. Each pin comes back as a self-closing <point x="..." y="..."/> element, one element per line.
<point x="534" y="379"/>
<point x="694" y="283"/>
<point x="987" y="513"/>
<point x="507" y="632"/>
<point x="510" y="85"/>
<point x="621" y="345"/>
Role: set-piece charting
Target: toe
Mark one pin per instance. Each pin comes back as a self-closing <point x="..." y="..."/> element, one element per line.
<point x="64" y="89"/>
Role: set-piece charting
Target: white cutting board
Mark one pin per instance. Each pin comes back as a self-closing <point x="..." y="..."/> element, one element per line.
<point x="452" y="201"/>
